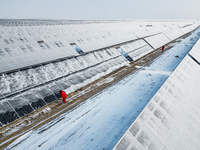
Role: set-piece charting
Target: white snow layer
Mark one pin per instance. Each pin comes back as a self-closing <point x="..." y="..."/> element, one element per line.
<point x="99" y="122"/>
<point x="195" y="52"/>
<point x="171" y="119"/>
<point x="22" y="46"/>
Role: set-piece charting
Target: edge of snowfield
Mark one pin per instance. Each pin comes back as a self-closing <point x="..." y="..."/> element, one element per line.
<point x="100" y="121"/>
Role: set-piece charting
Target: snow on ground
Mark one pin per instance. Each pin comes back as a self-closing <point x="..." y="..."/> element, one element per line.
<point x="100" y="122"/>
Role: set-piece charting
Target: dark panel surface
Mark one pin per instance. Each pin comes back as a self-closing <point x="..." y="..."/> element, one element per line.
<point x="33" y="98"/>
<point x="20" y="105"/>
<point x="46" y="93"/>
<point x="55" y="88"/>
<point x="7" y="114"/>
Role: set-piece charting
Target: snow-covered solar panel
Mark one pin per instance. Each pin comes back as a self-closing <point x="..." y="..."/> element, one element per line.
<point x="39" y="85"/>
<point x="157" y="41"/>
<point x="12" y="83"/>
<point x="99" y="42"/>
<point x="131" y="46"/>
<point x="173" y="34"/>
<point x="195" y="51"/>
<point x="38" y="58"/>
<point x="140" y="52"/>
<point x="152" y="30"/>
<point x="171" y="119"/>
<point x="187" y="27"/>
<point x="26" y="46"/>
<point x="141" y="32"/>
<point x="137" y="49"/>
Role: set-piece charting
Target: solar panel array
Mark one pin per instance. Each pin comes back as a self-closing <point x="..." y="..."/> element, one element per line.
<point x="37" y="60"/>
<point x="195" y="53"/>
<point x="157" y="40"/>
<point x="22" y="46"/>
<point x="137" y="49"/>
<point x="31" y="88"/>
<point x="171" y="120"/>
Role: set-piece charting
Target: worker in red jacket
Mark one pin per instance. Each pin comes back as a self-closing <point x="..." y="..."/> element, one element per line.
<point x="163" y="48"/>
<point x="64" y="96"/>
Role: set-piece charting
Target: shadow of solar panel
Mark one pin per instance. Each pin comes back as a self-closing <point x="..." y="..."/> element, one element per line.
<point x="20" y="105"/>
<point x="46" y="93"/>
<point x="33" y="98"/>
<point x="7" y="114"/>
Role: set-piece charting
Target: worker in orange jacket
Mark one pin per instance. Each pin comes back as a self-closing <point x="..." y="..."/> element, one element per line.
<point x="64" y="96"/>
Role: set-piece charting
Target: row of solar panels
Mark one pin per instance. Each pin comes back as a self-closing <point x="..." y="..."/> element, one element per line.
<point x="32" y="22"/>
<point x="71" y="32"/>
<point x="171" y="119"/>
<point x="12" y="36"/>
<point x="36" y="22"/>
<point x="25" y="90"/>
<point x="35" y="75"/>
<point x="30" y="45"/>
<point x="29" y="89"/>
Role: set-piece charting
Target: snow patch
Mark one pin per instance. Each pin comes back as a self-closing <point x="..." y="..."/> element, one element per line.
<point x="20" y="139"/>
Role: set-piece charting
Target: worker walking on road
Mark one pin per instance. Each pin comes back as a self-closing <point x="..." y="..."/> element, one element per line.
<point x="163" y="48"/>
<point x="64" y="96"/>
